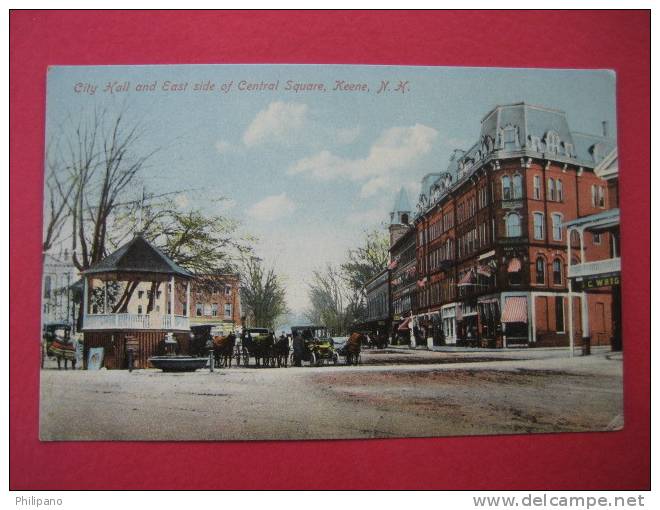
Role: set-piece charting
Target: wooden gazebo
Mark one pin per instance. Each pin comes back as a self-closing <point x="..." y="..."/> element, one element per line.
<point x="135" y="295"/>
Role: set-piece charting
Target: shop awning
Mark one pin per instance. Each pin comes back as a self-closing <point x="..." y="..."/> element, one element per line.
<point x="484" y="271"/>
<point x="467" y="279"/>
<point x="404" y="325"/>
<point x="514" y="265"/>
<point x="515" y="309"/>
<point x="393" y="264"/>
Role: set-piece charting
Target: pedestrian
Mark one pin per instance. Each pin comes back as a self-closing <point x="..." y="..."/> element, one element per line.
<point x="298" y="349"/>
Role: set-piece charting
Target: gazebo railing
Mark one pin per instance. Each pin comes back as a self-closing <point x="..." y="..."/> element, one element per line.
<point x="134" y="321"/>
<point x="176" y="322"/>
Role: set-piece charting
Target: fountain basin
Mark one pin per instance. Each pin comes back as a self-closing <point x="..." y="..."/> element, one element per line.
<point x="178" y="363"/>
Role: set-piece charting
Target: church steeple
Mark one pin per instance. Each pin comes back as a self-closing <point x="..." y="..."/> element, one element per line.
<point x="400" y="214"/>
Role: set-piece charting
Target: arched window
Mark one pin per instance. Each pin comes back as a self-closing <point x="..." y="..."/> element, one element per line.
<point x="556" y="272"/>
<point x="517" y="186"/>
<point x="537" y="187"/>
<point x="538" y="226"/>
<point x="513" y="225"/>
<point x="556" y="227"/>
<point x="506" y="188"/>
<point x="551" y="189"/>
<point x="540" y="270"/>
<point x="560" y="191"/>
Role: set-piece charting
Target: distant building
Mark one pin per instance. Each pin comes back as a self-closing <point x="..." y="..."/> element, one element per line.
<point x="215" y="299"/>
<point x="378" y="304"/>
<point x="59" y="274"/>
<point x="402" y="267"/>
<point x="491" y="247"/>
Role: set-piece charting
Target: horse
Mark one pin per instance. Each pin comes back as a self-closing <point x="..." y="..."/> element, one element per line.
<point x="223" y="350"/>
<point x="353" y="347"/>
<point x="264" y="347"/>
<point x="282" y="351"/>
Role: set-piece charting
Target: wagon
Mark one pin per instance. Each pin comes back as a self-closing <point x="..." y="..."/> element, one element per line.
<point x="57" y="343"/>
<point x="257" y="343"/>
<point x="317" y="348"/>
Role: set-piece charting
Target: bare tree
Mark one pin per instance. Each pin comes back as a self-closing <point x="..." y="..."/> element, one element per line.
<point x="263" y="296"/>
<point x="332" y="303"/>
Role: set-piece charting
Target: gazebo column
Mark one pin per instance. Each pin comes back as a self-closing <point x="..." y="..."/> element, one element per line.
<point x="105" y="297"/>
<point x="187" y="311"/>
<point x="172" y="301"/>
<point x="85" y="299"/>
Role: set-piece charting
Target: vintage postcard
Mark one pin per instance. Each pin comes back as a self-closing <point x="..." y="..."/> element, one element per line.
<point x="245" y="252"/>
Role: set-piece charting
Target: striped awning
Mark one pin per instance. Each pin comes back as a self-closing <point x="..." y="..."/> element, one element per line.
<point x="515" y="309"/>
<point x="484" y="270"/>
<point x="514" y="265"/>
<point x="393" y="264"/>
<point x="467" y="279"/>
<point x="404" y="325"/>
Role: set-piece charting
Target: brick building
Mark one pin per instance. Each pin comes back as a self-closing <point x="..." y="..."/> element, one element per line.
<point x="215" y="299"/>
<point x="402" y="267"/>
<point x="491" y="248"/>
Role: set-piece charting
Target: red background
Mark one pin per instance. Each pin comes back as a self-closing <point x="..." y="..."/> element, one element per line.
<point x="614" y="40"/>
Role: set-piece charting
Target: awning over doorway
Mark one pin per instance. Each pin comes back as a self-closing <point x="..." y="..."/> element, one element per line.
<point x="404" y="325"/>
<point x="468" y="278"/>
<point x="515" y="309"/>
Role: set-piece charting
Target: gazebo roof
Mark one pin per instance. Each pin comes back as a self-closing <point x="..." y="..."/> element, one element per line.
<point x="137" y="256"/>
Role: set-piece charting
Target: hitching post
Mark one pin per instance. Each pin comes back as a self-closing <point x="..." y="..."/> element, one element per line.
<point x="209" y="346"/>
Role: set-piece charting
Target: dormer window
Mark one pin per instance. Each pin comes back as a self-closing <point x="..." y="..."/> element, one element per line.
<point x="552" y="142"/>
<point x="510" y="138"/>
<point x="535" y="143"/>
<point x="568" y="149"/>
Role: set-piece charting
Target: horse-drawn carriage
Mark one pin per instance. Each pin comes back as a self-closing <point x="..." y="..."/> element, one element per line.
<point x="57" y="343"/>
<point x="314" y="345"/>
<point x="207" y="337"/>
<point x="261" y="344"/>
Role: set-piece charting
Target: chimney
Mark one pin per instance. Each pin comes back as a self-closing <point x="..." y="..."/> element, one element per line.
<point x="605" y="128"/>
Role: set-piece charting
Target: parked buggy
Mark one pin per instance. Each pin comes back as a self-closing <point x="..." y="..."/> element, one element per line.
<point x="260" y="344"/>
<point x="314" y="346"/>
<point x="57" y="343"/>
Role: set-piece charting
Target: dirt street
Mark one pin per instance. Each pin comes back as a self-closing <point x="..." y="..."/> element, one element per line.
<point x="393" y="394"/>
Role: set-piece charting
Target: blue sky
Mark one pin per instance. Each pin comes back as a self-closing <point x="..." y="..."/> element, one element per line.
<point x="308" y="172"/>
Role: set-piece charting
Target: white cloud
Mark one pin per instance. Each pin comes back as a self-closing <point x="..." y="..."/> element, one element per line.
<point x="370" y="217"/>
<point x="344" y="136"/>
<point x="272" y="208"/>
<point x="396" y="149"/>
<point x="223" y="146"/>
<point x="277" y="123"/>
